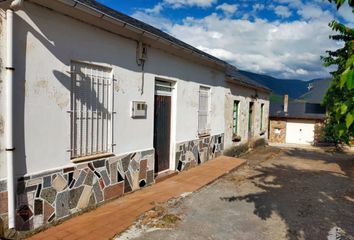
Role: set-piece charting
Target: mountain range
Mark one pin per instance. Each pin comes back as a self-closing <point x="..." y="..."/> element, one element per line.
<point x="312" y="90"/>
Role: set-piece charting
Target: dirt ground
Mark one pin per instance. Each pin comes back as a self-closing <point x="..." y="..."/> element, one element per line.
<point x="280" y="194"/>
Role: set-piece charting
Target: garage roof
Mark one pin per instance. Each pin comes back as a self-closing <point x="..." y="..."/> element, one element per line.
<point x="298" y="110"/>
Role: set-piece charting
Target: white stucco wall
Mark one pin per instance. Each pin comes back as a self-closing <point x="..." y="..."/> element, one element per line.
<point x="2" y="95"/>
<point x="189" y="76"/>
<point x="46" y="42"/>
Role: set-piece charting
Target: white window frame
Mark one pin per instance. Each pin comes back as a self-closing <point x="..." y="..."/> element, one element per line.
<point x="204" y="130"/>
<point x="163" y="87"/>
<point x="92" y="113"/>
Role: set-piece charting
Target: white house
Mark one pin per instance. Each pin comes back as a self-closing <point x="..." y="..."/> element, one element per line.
<point x="95" y="104"/>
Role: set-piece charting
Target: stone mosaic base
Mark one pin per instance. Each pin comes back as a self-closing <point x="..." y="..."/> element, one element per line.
<point x="44" y="198"/>
<point x="192" y="153"/>
<point x="3" y="200"/>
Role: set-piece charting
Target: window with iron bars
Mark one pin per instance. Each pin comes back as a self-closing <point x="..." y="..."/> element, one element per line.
<point x="203" y="112"/>
<point x="91" y="110"/>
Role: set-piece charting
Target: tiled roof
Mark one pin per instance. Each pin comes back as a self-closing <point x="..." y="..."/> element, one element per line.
<point x="237" y="75"/>
<point x="317" y="91"/>
<point x="146" y="27"/>
<point x="300" y="110"/>
<point x="157" y="32"/>
<point x="234" y="74"/>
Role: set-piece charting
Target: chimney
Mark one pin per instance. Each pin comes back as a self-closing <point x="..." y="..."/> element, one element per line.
<point x="286" y="102"/>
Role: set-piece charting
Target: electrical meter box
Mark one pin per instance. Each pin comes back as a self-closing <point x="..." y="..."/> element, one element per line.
<point x="138" y="109"/>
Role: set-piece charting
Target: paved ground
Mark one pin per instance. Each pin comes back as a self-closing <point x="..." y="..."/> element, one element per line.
<point x="114" y="217"/>
<point x="280" y="194"/>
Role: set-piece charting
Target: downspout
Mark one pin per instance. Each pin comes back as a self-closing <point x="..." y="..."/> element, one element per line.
<point x="9" y="129"/>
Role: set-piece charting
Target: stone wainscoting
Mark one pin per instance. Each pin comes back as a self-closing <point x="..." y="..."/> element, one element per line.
<point x="277" y="131"/>
<point x="47" y="197"/>
<point x="192" y="153"/>
<point x="319" y="132"/>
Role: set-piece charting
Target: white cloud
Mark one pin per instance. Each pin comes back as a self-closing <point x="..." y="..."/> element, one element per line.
<point x="281" y="49"/>
<point x="346" y="12"/>
<point x="311" y="11"/>
<point x="153" y="15"/>
<point x="189" y="3"/>
<point x="282" y="11"/>
<point x="155" y="20"/>
<point x="290" y="50"/>
<point x="228" y="9"/>
<point x="156" y="9"/>
<point x="292" y="3"/>
<point x="258" y="7"/>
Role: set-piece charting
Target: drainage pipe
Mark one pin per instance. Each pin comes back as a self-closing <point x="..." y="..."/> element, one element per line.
<point x="9" y="128"/>
<point x="9" y="119"/>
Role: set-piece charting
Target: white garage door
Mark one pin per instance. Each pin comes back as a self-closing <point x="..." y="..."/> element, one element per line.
<point x="300" y="132"/>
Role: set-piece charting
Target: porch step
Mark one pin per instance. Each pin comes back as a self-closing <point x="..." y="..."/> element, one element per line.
<point x="165" y="175"/>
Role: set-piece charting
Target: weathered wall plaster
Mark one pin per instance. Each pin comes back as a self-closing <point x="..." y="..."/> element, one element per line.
<point x="42" y="118"/>
<point x="245" y="96"/>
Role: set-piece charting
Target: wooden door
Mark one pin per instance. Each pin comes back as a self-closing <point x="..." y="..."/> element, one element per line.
<point x="162" y="130"/>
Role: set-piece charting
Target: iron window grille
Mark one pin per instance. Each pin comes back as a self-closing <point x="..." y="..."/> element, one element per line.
<point x="203" y="111"/>
<point x="91" y="109"/>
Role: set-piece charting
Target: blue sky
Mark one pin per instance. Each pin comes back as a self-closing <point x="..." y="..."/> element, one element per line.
<point x="282" y="38"/>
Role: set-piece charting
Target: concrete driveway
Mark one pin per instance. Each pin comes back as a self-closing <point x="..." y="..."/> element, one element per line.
<point x="281" y="194"/>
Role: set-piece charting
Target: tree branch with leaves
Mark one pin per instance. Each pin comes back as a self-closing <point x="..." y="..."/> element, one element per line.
<point x="339" y="99"/>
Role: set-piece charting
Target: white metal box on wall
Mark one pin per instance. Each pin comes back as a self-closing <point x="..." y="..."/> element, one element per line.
<point x="138" y="109"/>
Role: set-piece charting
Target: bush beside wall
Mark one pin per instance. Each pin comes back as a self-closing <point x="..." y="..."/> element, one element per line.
<point x="236" y="151"/>
<point x="258" y="143"/>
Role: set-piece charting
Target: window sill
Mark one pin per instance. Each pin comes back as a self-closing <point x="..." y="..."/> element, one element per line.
<point x="89" y="158"/>
<point x="202" y="135"/>
<point x="236" y="138"/>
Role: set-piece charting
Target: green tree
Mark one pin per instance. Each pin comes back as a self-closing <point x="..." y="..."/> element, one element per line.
<point x="339" y="99"/>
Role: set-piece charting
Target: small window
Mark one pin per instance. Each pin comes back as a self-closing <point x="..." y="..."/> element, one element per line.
<point x="235" y="117"/>
<point x="163" y="86"/>
<point x="203" y="112"/>
<point x="262" y="117"/>
<point x="91" y="110"/>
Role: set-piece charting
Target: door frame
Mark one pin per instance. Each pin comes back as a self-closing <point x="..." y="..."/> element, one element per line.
<point x="250" y="118"/>
<point x="173" y="95"/>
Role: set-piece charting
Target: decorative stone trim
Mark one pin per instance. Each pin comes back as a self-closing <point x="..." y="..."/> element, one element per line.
<point x="192" y="153"/>
<point x="50" y="196"/>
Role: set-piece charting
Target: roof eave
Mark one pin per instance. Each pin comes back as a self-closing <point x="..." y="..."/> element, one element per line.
<point x="298" y="117"/>
<point x="102" y="15"/>
<point x="234" y="80"/>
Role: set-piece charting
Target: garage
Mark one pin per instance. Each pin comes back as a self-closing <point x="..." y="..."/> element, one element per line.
<point x="300" y="132"/>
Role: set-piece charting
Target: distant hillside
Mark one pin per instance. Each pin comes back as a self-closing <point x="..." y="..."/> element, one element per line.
<point x="293" y="87"/>
<point x="298" y="90"/>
